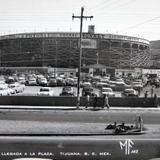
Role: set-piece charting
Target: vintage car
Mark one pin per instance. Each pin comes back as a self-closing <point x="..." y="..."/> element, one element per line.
<point x="4" y="90"/>
<point x="87" y="91"/>
<point x="17" y="87"/>
<point x="133" y="129"/>
<point x="45" y="91"/>
<point x="67" y="91"/>
<point x="129" y="93"/>
<point x="106" y="91"/>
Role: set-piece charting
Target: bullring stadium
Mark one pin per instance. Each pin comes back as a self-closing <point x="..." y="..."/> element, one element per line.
<point x="61" y="49"/>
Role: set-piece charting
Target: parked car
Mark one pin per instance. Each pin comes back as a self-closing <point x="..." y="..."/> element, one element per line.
<point x="155" y="81"/>
<point x="70" y="82"/>
<point x="17" y="87"/>
<point x="10" y="80"/>
<point x="106" y="91"/>
<point x="52" y="82"/>
<point x="43" y="82"/>
<point x="67" y="91"/>
<point x="46" y="91"/>
<point x="2" y="80"/>
<point x="4" y="90"/>
<point x="119" y="80"/>
<point x="137" y="85"/>
<point x="119" y="86"/>
<point x="22" y="80"/>
<point x="85" y="84"/>
<point x="129" y="93"/>
<point x="101" y="84"/>
<point x="32" y="82"/>
<point x="60" y="81"/>
<point x="38" y="78"/>
<point x="87" y="91"/>
<point x="75" y="79"/>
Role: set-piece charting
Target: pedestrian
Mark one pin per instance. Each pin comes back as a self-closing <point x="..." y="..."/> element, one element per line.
<point x="139" y="123"/>
<point x="139" y="91"/>
<point x="78" y="102"/>
<point x="146" y="94"/>
<point x="155" y="100"/>
<point x="152" y="91"/>
<point x="87" y="100"/>
<point x="145" y="98"/>
<point x="95" y="101"/>
<point x="105" y="102"/>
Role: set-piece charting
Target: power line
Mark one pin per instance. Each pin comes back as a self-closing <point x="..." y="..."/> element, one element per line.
<point x="144" y="22"/>
<point x="124" y="4"/>
<point x="98" y="5"/>
<point x="105" y="4"/>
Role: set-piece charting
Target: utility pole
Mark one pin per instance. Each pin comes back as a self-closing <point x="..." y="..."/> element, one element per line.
<point x="80" y="53"/>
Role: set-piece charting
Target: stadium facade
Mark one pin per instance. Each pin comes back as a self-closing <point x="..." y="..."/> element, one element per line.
<point x="61" y="49"/>
<point x="155" y="53"/>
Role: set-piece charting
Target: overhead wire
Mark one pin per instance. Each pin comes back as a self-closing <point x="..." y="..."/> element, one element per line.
<point x="99" y="5"/>
<point x="144" y="22"/>
<point x="119" y="4"/>
<point x="124" y="4"/>
<point x="104" y="5"/>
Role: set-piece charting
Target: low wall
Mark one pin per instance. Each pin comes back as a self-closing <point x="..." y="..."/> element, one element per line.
<point x="71" y="101"/>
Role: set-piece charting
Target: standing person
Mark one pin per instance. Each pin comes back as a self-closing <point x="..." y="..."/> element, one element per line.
<point x="152" y="91"/>
<point x="105" y="102"/>
<point x="87" y="100"/>
<point x="146" y="94"/>
<point x="139" y="124"/>
<point x="95" y="101"/>
<point x="139" y="91"/>
<point x="145" y="98"/>
<point x="155" y="100"/>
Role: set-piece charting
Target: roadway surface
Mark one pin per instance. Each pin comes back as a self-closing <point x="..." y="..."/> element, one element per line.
<point x="76" y="134"/>
<point x="51" y="122"/>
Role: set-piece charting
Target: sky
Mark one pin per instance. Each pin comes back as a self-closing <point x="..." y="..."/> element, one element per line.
<point x="139" y="18"/>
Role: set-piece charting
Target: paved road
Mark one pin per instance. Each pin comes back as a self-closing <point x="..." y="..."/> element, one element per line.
<point x="73" y="122"/>
<point x="89" y="116"/>
<point x="145" y="146"/>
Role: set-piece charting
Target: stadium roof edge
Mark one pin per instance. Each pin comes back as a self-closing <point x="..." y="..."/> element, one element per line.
<point x="73" y="34"/>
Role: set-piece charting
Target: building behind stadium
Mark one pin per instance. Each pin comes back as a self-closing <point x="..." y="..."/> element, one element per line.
<point x="61" y="50"/>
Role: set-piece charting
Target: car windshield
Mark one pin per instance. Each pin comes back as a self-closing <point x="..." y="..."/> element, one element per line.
<point x="88" y="89"/>
<point x="129" y="91"/>
<point x="21" y="78"/>
<point x="43" y="79"/>
<point x="12" y="86"/>
<point x="67" y="89"/>
<point x="106" y="90"/>
<point x="137" y="83"/>
<point x="44" y="90"/>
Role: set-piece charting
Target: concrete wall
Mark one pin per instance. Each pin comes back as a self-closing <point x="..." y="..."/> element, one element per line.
<point x="71" y="101"/>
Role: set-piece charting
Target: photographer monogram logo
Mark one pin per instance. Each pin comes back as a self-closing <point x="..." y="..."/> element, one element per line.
<point x="127" y="146"/>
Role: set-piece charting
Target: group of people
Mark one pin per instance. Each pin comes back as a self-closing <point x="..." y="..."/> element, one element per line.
<point x="152" y="95"/>
<point x="123" y="128"/>
<point x="94" y="100"/>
